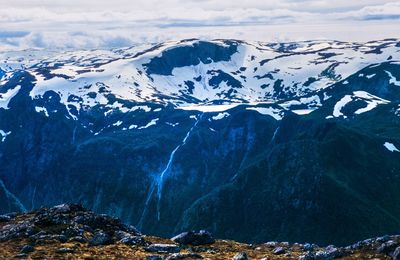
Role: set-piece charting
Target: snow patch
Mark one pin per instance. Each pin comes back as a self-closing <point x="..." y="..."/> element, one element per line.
<point x="4" y="134"/>
<point x="6" y="97"/>
<point x="172" y="124"/>
<point x="372" y="102"/>
<point x="209" y="108"/>
<point x="302" y="111"/>
<point x="220" y="116"/>
<point x="151" y="123"/>
<point x="42" y="110"/>
<point x="118" y="123"/>
<point x="392" y="79"/>
<point x="274" y="112"/>
<point x="391" y="147"/>
<point x="339" y="105"/>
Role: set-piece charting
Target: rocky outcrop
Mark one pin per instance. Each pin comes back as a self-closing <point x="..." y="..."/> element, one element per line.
<point x="71" y="231"/>
<point x="69" y="223"/>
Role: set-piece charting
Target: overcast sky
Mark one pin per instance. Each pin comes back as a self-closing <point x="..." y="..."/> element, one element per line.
<point x="116" y="23"/>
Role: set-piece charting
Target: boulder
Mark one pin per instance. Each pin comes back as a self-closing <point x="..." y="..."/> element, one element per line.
<point x="240" y="256"/>
<point x="387" y="247"/>
<point x="100" y="238"/>
<point x="128" y="239"/>
<point x="194" y="238"/>
<point x="309" y="247"/>
<point x="333" y="251"/>
<point x="271" y="244"/>
<point x="178" y="256"/>
<point x="27" y="249"/>
<point x="78" y="239"/>
<point x="279" y="251"/>
<point x="307" y="256"/>
<point x="163" y="248"/>
<point x="322" y="255"/>
<point x="154" y="257"/>
<point x="4" y="218"/>
<point x="65" y="250"/>
<point x="396" y="254"/>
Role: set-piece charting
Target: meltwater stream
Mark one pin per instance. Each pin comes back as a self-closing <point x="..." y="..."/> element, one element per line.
<point x="160" y="180"/>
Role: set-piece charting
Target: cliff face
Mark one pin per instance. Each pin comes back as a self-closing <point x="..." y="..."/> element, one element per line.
<point x="70" y="231"/>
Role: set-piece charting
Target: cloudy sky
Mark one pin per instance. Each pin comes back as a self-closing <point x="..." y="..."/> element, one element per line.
<point x="116" y="23"/>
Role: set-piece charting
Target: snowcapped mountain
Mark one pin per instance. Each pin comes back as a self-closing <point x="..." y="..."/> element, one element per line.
<point x="250" y="140"/>
<point x="190" y="74"/>
<point x="197" y="72"/>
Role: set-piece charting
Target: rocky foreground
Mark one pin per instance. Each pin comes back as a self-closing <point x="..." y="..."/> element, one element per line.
<point x="72" y="232"/>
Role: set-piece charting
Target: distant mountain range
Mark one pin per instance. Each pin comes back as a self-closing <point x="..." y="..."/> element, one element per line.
<point x="252" y="141"/>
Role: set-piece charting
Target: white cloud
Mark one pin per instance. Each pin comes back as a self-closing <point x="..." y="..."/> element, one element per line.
<point x="92" y="24"/>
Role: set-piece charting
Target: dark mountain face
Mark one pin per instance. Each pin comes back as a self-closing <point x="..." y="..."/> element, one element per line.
<point x="255" y="142"/>
<point x="191" y="55"/>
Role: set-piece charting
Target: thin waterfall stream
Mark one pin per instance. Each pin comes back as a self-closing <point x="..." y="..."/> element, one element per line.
<point x="159" y="183"/>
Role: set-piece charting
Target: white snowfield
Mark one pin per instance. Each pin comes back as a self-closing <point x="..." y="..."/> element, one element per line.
<point x="259" y="72"/>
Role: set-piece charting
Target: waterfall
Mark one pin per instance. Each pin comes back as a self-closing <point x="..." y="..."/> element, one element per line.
<point x="33" y="198"/>
<point x="12" y="197"/>
<point x="160" y="180"/>
<point x="74" y="133"/>
<point x="274" y="135"/>
<point x="146" y="205"/>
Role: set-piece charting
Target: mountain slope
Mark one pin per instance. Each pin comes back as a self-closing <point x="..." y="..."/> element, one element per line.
<point x="254" y="141"/>
<point x="71" y="231"/>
